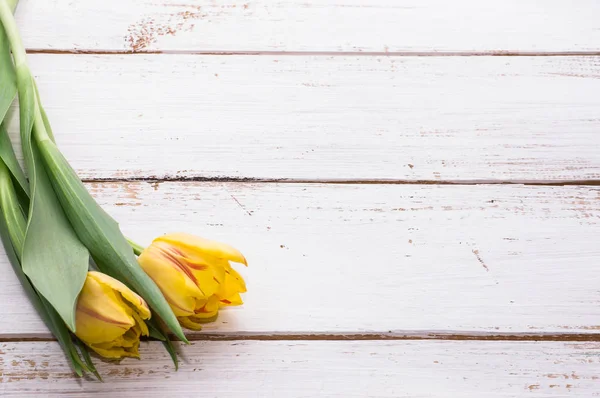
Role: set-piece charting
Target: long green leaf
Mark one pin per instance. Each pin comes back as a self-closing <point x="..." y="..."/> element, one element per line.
<point x="7" y="154"/>
<point x="8" y="80"/>
<point x="54" y="258"/>
<point x="8" y="91"/>
<point x="168" y="344"/>
<point x="14" y="259"/>
<point x="44" y="115"/>
<point x="154" y="330"/>
<point x="101" y="234"/>
<point x="11" y="211"/>
<point x="46" y="312"/>
<point x="85" y="353"/>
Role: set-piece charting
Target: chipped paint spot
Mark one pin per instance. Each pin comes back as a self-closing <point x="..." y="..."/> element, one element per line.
<point x="146" y="31"/>
<point x="484" y="265"/>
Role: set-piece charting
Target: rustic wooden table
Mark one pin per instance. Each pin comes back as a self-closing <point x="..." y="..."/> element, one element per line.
<point x="414" y="183"/>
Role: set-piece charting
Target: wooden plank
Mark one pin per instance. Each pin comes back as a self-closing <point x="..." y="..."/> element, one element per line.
<point x="312" y="25"/>
<point x="376" y="259"/>
<point x="325" y="118"/>
<point x="317" y="368"/>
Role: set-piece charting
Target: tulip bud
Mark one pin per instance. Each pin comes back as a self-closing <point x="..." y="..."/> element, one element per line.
<point x="109" y="317"/>
<point x="194" y="275"/>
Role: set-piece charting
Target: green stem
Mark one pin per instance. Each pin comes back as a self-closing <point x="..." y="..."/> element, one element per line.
<point x="20" y="59"/>
<point x="10" y="27"/>
<point x="39" y="127"/>
<point x="137" y="249"/>
<point x="11" y="211"/>
<point x="12" y="4"/>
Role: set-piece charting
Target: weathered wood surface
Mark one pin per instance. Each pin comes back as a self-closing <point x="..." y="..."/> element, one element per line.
<point x="317" y="368"/>
<point x="325" y="118"/>
<point x="315" y="25"/>
<point x="382" y="259"/>
<point x="328" y="91"/>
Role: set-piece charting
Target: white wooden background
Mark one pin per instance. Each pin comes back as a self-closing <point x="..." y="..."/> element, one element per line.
<point x="416" y="185"/>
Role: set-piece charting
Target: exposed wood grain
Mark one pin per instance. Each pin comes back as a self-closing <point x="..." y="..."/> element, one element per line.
<point x="379" y="259"/>
<point x="308" y="369"/>
<point x="324" y="118"/>
<point x="312" y="25"/>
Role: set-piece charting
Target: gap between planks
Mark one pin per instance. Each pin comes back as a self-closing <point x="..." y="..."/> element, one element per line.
<point x="404" y="335"/>
<point x="322" y="53"/>
<point x="158" y="180"/>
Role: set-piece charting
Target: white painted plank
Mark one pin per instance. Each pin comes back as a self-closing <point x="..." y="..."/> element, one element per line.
<point x="317" y="368"/>
<point x="312" y="25"/>
<point x="383" y="259"/>
<point x="312" y="117"/>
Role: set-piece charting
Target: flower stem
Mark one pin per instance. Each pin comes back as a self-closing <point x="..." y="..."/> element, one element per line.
<point x="20" y="59"/>
<point x="12" y="4"/>
<point x="10" y="27"/>
<point x="137" y="249"/>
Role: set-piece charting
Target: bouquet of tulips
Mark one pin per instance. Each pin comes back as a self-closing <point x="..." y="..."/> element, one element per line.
<point x="94" y="289"/>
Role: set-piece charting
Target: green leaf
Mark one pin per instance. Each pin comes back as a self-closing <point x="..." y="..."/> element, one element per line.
<point x="168" y="344"/>
<point x="101" y="234"/>
<point x="44" y="115"/>
<point x="154" y="330"/>
<point x="13" y="258"/>
<point x="59" y="329"/>
<point x="7" y="154"/>
<point x="46" y="312"/>
<point x="10" y="211"/>
<point x="85" y="353"/>
<point x="54" y="258"/>
<point x="8" y="80"/>
<point x="158" y="331"/>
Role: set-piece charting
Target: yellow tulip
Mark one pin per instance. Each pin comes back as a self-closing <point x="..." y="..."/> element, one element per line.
<point x="194" y="275"/>
<point x="109" y="317"/>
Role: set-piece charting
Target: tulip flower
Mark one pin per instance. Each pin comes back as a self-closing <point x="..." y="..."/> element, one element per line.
<point x="194" y="275"/>
<point x="110" y="317"/>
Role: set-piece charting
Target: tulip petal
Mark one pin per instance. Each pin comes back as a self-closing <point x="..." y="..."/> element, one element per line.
<point x="141" y="324"/>
<point x="237" y="279"/>
<point x="101" y="313"/>
<point x="232" y="300"/>
<point x="138" y="303"/>
<point x="115" y="352"/>
<point x="208" y="247"/>
<point x="210" y="309"/>
<point x="181" y="292"/>
<point x="187" y="323"/>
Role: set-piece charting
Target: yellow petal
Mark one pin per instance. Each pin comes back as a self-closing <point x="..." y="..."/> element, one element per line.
<point x="233" y="282"/>
<point x="187" y="323"/>
<point x="181" y="292"/>
<point x="232" y="300"/>
<point x="101" y="313"/>
<point x="239" y="279"/>
<point x="211" y="307"/>
<point x="211" y="248"/>
<point x="141" y="324"/>
<point x="116" y="352"/>
<point x="138" y="303"/>
<point x="206" y="273"/>
<point x="195" y="322"/>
